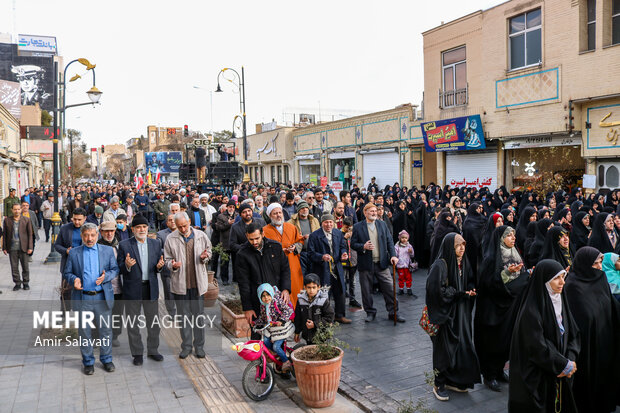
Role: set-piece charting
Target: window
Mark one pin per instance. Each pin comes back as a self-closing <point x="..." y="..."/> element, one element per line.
<point x="525" y="39"/>
<point x="591" y="24"/>
<point x="454" y="74"/>
<point x="615" y="22"/>
<point x="611" y="177"/>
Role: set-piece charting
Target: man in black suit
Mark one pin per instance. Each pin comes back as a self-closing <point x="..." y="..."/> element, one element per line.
<point x="165" y="272"/>
<point x="375" y="254"/>
<point x="68" y="237"/>
<point x="139" y="261"/>
<point x="326" y="251"/>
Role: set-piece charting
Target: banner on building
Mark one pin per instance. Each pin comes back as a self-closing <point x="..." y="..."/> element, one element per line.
<point x="10" y="97"/>
<point x="167" y="162"/>
<point x="457" y="134"/>
<point x="35" y="75"/>
<point x="37" y="44"/>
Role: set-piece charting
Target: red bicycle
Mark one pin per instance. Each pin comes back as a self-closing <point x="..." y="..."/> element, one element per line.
<point x="258" y="376"/>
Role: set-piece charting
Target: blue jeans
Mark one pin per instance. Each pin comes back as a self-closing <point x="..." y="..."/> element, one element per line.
<point x="99" y="307"/>
<point x="277" y="347"/>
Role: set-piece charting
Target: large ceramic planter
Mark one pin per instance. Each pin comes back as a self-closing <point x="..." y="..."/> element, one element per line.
<point x="213" y="291"/>
<point x="317" y="380"/>
<point x="235" y="324"/>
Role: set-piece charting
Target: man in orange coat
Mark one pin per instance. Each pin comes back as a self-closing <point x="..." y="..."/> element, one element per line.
<point x="292" y="243"/>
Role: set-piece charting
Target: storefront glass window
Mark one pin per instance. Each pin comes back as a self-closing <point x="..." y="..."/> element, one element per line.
<point x="340" y="170"/>
<point x="309" y="173"/>
<point x="547" y="169"/>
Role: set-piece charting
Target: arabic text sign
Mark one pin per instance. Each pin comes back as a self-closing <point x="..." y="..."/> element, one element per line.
<point x="602" y="129"/>
<point x="10" y="97"/>
<point x="541" y="142"/>
<point x="336" y="186"/>
<point x="168" y="162"/>
<point x="457" y="134"/>
<point x="478" y="182"/>
<point x="41" y="44"/>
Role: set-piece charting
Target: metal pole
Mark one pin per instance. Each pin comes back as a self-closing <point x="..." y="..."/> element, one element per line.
<point x="54" y="256"/>
<point x="246" y="176"/>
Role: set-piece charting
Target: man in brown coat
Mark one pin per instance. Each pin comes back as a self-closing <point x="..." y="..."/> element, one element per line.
<point x="17" y="241"/>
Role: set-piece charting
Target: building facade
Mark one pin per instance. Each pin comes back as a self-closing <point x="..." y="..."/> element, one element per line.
<point x="270" y="155"/>
<point x="543" y="77"/>
<point x="386" y="145"/>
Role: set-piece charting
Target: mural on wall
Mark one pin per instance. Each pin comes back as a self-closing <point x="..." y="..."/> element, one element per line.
<point x="35" y="77"/>
<point x="10" y="97"/>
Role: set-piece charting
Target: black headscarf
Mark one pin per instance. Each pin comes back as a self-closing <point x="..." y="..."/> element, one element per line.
<point x="442" y="227"/>
<point x="422" y="218"/>
<point x="535" y="251"/>
<point x="579" y="233"/>
<point x="529" y="240"/>
<point x="552" y="249"/>
<point x="524" y="220"/>
<point x="450" y="307"/>
<point x="473" y="227"/>
<point x="539" y="352"/>
<point x="597" y="314"/>
<point x="599" y="238"/>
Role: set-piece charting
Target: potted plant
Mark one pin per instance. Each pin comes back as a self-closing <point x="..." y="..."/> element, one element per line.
<point x="233" y="319"/>
<point x="317" y="367"/>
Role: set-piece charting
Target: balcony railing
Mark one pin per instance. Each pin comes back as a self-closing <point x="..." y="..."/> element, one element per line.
<point x="451" y="98"/>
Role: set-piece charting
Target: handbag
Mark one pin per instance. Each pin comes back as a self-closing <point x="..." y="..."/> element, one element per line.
<point x="430" y="328"/>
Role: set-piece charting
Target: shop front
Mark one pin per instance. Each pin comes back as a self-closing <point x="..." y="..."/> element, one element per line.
<point x="381" y="164"/>
<point x="309" y="168"/>
<point x="543" y="162"/>
<point x="341" y="167"/>
<point x="270" y="155"/>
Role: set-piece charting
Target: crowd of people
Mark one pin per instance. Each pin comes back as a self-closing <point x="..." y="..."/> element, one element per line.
<point x="522" y="287"/>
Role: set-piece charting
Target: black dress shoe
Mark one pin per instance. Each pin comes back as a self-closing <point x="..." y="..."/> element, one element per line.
<point x="26" y="287"/>
<point x="184" y="353"/>
<point x="156" y="357"/>
<point x="109" y="367"/>
<point x="370" y="318"/>
<point x="138" y="360"/>
<point x="17" y="287"/>
<point x="89" y="370"/>
<point x="399" y="319"/>
<point x="200" y="353"/>
<point x="493" y="385"/>
<point x="354" y="303"/>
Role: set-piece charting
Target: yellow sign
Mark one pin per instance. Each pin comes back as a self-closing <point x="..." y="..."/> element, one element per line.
<point x="612" y="135"/>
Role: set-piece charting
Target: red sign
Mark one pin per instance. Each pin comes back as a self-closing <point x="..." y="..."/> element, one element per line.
<point x="323" y="181"/>
<point x="442" y="134"/>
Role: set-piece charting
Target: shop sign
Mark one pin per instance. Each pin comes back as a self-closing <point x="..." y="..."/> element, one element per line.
<point x="457" y="134"/>
<point x="417" y="164"/>
<point x="314" y="179"/>
<point x="336" y="186"/>
<point x="541" y="142"/>
<point x="479" y="182"/>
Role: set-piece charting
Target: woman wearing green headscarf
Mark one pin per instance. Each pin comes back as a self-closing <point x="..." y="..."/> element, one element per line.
<point x="611" y="267"/>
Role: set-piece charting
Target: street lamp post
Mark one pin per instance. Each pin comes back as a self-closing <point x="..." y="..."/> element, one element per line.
<point x="93" y="94"/>
<point x="246" y="176"/>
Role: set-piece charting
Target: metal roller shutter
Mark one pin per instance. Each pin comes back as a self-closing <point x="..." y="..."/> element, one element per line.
<point x="384" y="166"/>
<point x="472" y="169"/>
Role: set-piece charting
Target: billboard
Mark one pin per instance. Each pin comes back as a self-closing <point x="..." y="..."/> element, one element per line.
<point x="10" y="97"/>
<point x="457" y="134"/>
<point x="168" y="162"/>
<point x="37" y="44"/>
<point x="34" y="75"/>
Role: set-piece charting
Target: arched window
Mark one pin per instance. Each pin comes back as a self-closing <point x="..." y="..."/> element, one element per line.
<point x="611" y="177"/>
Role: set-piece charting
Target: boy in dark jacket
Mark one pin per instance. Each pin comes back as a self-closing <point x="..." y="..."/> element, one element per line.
<point x="313" y="308"/>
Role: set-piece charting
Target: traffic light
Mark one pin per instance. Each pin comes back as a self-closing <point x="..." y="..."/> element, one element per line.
<point x="102" y="149"/>
<point x="185" y="131"/>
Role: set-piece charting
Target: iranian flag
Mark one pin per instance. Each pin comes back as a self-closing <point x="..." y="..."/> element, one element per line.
<point x="139" y="181"/>
<point x="157" y="175"/>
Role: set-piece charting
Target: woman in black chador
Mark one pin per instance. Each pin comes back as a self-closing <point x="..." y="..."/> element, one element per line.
<point x="473" y="228"/>
<point x="604" y="236"/>
<point x="535" y="251"/>
<point x="557" y="247"/>
<point x="545" y="346"/>
<point x="450" y="296"/>
<point x="597" y="385"/>
<point x="501" y="280"/>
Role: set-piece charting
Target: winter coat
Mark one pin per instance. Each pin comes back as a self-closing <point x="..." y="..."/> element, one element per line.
<point x="223" y="227"/>
<point x="278" y="311"/>
<point x="405" y="258"/>
<point x="319" y="310"/>
<point x="174" y="249"/>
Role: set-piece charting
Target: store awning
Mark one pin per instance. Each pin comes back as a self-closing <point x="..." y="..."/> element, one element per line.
<point x="342" y="155"/>
<point x="306" y="157"/>
<point x="542" y="141"/>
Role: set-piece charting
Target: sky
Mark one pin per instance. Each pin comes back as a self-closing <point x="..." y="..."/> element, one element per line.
<point x="158" y="61"/>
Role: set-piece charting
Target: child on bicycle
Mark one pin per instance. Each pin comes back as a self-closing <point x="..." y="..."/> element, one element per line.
<point x="278" y="315"/>
<point x="313" y="308"/>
